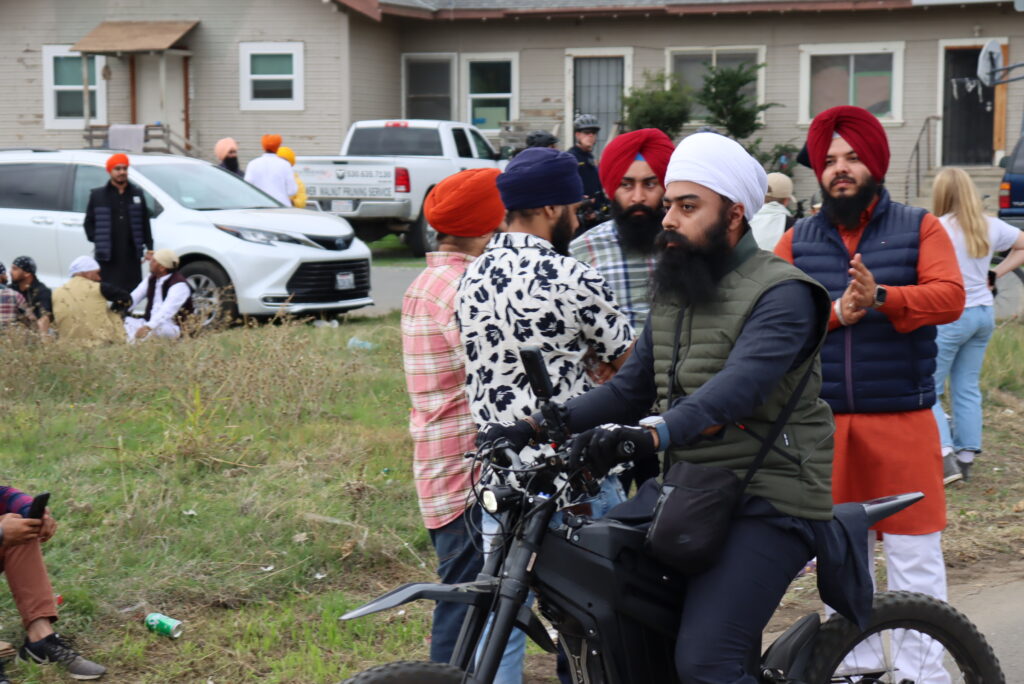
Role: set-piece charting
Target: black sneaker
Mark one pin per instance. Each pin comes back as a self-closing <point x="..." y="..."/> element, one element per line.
<point x="58" y="649"/>
<point x="951" y="469"/>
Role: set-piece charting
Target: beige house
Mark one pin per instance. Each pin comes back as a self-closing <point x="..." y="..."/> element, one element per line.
<point x="308" y="68"/>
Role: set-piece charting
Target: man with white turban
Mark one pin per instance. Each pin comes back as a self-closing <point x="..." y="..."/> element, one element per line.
<point x="168" y="298"/>
<point x="729" y="359"/>
<point x="85" y="309"/>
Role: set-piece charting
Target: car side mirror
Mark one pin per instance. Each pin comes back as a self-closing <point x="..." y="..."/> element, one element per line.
<point x="536" y="372"/>
<point x="504" y="153"/>
<point x="1004" y="162"/>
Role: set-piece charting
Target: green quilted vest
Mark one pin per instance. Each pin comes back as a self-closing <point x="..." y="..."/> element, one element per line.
<point x="705" y="335"/>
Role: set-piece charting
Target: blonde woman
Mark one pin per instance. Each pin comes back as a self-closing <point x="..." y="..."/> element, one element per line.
<point x="962" y="343"/>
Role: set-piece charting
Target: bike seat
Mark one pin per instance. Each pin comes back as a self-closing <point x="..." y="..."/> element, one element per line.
<point x="879" y="509"/>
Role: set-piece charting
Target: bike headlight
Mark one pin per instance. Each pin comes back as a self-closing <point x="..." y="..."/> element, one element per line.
<point x="262" y="237"/>
<point x="489" y="501"/>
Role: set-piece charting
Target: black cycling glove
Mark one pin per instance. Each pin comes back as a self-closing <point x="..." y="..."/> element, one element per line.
<point x="517" y="434"/>
<point x="602" y="448"/>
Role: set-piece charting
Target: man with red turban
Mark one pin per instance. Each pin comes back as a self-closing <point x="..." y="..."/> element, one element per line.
<point x="892" y="273"/>
<point x="271" y="173"/>
<point x="465" y="209"/>
<point x="117" y="223"/>
<point x="632" y="174"/>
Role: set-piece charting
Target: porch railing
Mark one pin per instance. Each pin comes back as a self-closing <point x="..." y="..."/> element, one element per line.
<point x="913" y="178"/>
<point x="159" y="138"/>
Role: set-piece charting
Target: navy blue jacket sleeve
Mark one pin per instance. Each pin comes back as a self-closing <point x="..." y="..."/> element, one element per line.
<point x="779" y="335"/>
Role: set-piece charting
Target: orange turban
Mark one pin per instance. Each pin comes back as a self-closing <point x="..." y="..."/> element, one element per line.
<point x="116" y="159"/>
<point x="466" y="204"/>
<point x="271" y="142"/>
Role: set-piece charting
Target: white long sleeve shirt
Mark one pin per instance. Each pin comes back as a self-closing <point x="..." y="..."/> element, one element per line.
<point x="164" y="310"/>
<point x="274" y="176"/>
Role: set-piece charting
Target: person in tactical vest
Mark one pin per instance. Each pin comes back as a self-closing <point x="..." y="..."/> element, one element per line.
<point x="731" y="343"/>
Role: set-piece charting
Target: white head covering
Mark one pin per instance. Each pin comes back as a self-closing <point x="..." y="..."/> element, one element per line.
<point x="720" y="164"/>
<point x="83" y="264"/>
<point x="166" y="258"/>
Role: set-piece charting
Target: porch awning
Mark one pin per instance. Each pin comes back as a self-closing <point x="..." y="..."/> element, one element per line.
<point x="112" y="37"/>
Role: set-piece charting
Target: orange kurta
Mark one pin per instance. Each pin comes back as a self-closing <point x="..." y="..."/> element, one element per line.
<point x="878" y="454"/>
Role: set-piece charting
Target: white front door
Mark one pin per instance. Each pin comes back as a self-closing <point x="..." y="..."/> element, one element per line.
<point x="171" y="111"/>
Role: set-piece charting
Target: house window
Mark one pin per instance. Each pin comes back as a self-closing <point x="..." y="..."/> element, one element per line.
<point x="62" y="88"/>
<point x="271" y="76"/>
<point x="690" y="66"/>
<point x="428" y="81"/>
<point x="867" y="75"/>
<point x="490" y="83"/>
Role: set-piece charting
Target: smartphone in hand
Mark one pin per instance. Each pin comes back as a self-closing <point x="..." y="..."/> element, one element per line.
<point x="38" y="507"/>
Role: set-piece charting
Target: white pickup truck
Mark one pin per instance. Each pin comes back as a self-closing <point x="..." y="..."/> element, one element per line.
<point x="387" y="168"/>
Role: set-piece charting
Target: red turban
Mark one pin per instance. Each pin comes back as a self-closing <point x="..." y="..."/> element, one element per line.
<point x="654" y="146"/>
<point x="115" y="159"/>
<point x="466" y="204"/>
<point x="271" y="142"/>
<point x="858" y="127"/>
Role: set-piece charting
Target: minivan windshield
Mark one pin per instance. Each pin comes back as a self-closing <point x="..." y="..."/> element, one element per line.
<point x="206" y="188"/>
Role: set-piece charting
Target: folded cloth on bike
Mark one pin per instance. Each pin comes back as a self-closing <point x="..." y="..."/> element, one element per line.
<point x="722" y="165"/>
<point x="647" y="144"/>
<point x="466" y="204"/>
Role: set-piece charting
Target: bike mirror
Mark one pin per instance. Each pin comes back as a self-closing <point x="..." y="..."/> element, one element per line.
<point x="536" y="372"/>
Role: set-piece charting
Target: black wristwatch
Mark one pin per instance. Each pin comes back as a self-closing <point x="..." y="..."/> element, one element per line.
<point x="880" y="295"/>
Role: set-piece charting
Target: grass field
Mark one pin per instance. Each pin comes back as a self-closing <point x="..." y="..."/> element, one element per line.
<point x="256" y="484"/>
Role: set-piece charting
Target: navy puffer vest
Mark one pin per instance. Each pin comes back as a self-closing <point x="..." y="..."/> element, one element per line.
<point x="869" y="367"/>
<point x="104" y="240"/>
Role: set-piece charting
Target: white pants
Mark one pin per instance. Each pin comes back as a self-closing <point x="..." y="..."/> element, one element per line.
<point x="913" y="563"/>
<point x="168" y="331"/>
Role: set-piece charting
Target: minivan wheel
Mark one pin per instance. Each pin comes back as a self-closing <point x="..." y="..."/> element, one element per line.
<point x="213" y="295"/>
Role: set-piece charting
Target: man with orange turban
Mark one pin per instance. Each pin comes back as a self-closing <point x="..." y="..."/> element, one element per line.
<point x="465" y="209"/>
<point x="272" y="174"/>
<point x="226" y="152"/>
<point x="117" y="223"/>
<point x="892" y="273"/>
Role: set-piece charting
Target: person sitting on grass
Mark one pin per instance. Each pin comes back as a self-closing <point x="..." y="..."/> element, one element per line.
<point x="168" y="299"/>
<point x="85" y="309"/>
<point x="13" y="307"/>
<point x="21" y="560"/>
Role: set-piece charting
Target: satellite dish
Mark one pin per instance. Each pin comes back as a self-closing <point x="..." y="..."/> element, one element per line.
<point x="990" y="62"/>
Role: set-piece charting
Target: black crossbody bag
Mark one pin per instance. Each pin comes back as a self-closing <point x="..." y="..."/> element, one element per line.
<point x="697" y="503"/>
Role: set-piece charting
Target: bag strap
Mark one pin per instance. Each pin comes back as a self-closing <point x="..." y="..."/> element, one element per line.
<point x="778" y="425"/>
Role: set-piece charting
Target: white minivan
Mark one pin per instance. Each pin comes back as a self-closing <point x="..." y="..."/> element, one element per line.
<point x="241" y="250"/>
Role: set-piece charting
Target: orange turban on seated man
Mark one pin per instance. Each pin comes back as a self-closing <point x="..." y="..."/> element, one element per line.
<point x="271" y="142"/>
<point x="466" y="204"/>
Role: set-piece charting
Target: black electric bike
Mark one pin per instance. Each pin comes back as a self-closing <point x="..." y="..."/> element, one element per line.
<point x="616" y="610"/>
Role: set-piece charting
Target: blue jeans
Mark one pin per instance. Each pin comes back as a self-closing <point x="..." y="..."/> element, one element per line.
<point x="458" y="546"/>
<point x="962" y="346"/>
<point x="511" y="669"/>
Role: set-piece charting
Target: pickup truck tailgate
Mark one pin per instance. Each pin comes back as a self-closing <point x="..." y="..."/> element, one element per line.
<point x="344" y="181"/>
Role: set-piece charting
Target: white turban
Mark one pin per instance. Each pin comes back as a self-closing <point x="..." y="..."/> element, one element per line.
<point x="83" y="264"/>
<point x="720" y="164"/>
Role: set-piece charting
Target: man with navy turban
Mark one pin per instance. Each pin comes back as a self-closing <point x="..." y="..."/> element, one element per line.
<point x="525" y="290"/>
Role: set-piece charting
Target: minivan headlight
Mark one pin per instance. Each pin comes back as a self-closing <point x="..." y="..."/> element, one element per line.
<point x="263" y="237"/>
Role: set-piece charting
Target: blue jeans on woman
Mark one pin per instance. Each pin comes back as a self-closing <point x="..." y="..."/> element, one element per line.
<point x="962" y="346"/>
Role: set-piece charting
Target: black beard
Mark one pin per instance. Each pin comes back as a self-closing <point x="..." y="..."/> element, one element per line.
<point x="637" y="231"/>
<point x="562" y="233"/>
<point x="691" y="271"/>
<point x="846" y="211"/>
<point x="231" y="164"/>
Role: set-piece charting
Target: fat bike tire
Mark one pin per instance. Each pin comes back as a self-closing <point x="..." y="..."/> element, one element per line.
<point x="409" y="672"/>
<point x="974" y="659"/>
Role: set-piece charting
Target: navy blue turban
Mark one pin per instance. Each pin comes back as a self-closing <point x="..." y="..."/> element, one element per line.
<point x="540" y="177"/>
